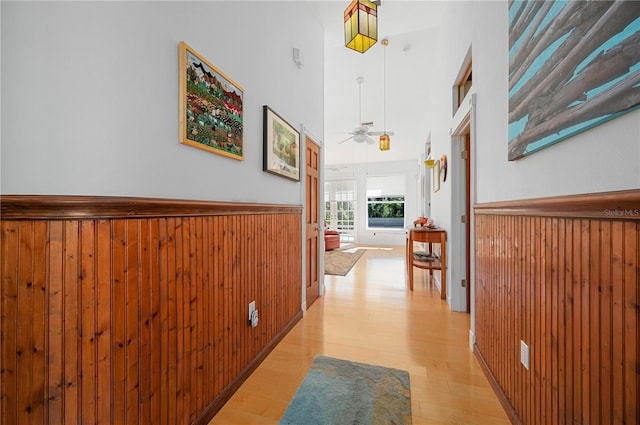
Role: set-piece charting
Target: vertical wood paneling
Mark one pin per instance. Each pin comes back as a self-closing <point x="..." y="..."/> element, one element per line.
<point x="132" y="341"/>
<point x="145" y="299"/>
<point x="170" y="287"/>
<point x="103" y="319"/>
<point x="155" y="349"/>
<point x="631" y="329"/>
<point x="24" y="335"/>
<point x="55" y="313"/>
<point x="568" y="287"/>
<point x="617" y="295"/>
<point x="118" y="321"/>
<point x="536" y="348"/>
<point x="71" y="335"/>
<point x="88" y="372"/>
<point x="576" y="299"/>
<point x="606" y="324"/>
<point x="585" y="317"/>
<point x="39" y="320"/>
<point x="188" y="277"/>
<point x="10" y="260"/>
<point x="595" y="320"/>
<point x="141" y="320"/>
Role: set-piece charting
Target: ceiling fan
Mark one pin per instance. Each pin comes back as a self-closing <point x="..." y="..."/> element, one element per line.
<point x="362" y="134"/>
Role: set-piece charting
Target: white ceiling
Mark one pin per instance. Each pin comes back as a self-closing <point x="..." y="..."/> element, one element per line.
<point x="409" y="25"/>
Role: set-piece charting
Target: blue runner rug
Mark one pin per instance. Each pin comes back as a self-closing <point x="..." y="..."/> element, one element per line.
<point x="336" y="392"/>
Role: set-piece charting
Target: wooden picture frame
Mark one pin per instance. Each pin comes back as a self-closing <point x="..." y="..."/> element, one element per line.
<point x="211" y="106"/>
<point x="281" y="155"/>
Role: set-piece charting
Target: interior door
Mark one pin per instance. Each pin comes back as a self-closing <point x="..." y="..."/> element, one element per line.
<point x="312" y="207"/>
<point x="467" y="213"/>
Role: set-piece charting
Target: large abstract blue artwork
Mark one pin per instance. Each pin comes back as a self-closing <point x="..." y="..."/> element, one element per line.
<point x="572" y="65"/>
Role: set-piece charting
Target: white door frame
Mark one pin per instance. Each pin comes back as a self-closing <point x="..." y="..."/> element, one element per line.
<point x="464" y="123"/>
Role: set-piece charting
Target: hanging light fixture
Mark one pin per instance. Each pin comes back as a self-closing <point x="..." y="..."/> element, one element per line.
<point x="385" y="140"/>
<point x="361" y="25"/>
<point x="430" y="161"/>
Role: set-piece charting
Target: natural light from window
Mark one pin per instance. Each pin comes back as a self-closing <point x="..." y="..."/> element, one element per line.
<point x="385" y="202"/>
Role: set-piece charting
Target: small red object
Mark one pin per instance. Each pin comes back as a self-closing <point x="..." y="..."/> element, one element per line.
<point x="420" y="221"/>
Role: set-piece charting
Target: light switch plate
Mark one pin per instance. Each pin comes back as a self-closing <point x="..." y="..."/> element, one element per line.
<point x="524" y="354"/>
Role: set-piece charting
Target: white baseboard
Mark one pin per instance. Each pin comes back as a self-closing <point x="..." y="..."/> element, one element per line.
<point x="472" y="339"/>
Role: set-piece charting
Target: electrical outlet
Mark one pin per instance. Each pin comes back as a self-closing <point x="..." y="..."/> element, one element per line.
<point x="252" y="308"/>
<point x="253" y="314"/>
<point x="524" y="354"/>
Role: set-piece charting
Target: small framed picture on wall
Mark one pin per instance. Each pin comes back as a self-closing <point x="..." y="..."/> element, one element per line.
<point x="281" y="146"/>
<point x="436" y="176"/>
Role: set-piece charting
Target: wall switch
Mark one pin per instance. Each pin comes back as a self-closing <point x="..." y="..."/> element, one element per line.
<point x="524" y="354"/>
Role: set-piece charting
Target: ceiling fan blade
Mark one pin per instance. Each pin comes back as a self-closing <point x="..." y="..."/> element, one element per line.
<point x="380" y="133"/>
<point x="348" y="138"/>
<point x="370" y="140"/>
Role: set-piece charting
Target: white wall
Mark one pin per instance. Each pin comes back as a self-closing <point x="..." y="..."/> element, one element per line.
<point x="90" y="95"/>
<point x="605" y="158"/>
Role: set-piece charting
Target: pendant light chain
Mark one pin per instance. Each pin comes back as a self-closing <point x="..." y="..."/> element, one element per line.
<point x="384" y="84"/>
<point x="384" y="139"/>
<point x="360" y="101"/>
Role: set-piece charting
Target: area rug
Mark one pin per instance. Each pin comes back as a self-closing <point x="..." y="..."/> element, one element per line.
<point x="343" y="392"/>
<point x="340" y="262"/>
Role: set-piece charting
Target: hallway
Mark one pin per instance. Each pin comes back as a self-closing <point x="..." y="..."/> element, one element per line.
<point x="369" y="316"/>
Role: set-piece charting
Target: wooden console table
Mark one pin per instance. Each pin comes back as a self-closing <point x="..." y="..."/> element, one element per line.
<point x="429" y="236"/>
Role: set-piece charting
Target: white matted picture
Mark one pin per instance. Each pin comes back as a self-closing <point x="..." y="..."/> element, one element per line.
<point x="281" y="146"/>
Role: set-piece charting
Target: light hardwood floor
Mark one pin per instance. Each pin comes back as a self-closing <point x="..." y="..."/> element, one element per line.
<point x="370" y="316"/>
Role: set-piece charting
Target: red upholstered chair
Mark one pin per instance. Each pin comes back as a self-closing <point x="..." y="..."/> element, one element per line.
<point x="331" y="240"/>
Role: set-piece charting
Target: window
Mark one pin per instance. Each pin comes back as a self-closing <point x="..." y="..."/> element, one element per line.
<point x="465" y="85"/>
<point x="463" y="82"/>
<point x="340" y="203"/>
<point x="385" y="211"/>
<point x="385" y="202"/>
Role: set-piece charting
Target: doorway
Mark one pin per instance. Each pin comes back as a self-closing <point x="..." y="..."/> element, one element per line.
<point x="461" y="196"/>
<point x="340" y="208"/>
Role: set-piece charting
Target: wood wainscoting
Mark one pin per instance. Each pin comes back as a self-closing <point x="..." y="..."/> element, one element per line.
<point x="135" y="311"/>
<point x="562" y="275"/>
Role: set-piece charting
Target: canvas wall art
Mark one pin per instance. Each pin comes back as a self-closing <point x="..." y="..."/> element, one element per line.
<point x="211" y="106"/>
<point x="573" y="65"/>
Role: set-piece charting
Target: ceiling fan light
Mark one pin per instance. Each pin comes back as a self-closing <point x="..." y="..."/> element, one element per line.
<point x="360" y="25"/>
<point x="385" y="142"/>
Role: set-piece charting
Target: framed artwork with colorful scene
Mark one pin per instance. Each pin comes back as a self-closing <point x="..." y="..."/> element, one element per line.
<point x="281" y="146"/>
<point x="211" y="106"/>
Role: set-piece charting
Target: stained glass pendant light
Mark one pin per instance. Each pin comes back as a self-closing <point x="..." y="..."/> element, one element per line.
<point x="361" y="25"/>
<point x="385" y="140"/>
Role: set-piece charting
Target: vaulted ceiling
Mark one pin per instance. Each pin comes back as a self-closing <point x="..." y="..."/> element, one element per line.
<point x="410" y="27"/>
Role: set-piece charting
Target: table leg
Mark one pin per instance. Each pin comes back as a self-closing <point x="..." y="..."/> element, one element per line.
<point x="409" y="261"/>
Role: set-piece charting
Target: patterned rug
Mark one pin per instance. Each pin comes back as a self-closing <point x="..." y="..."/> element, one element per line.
<point x="343" y="392"/>
<point x="340" y="262"/>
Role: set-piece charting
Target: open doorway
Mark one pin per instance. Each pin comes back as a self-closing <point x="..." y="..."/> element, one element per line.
<point x="463" y="129"/>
